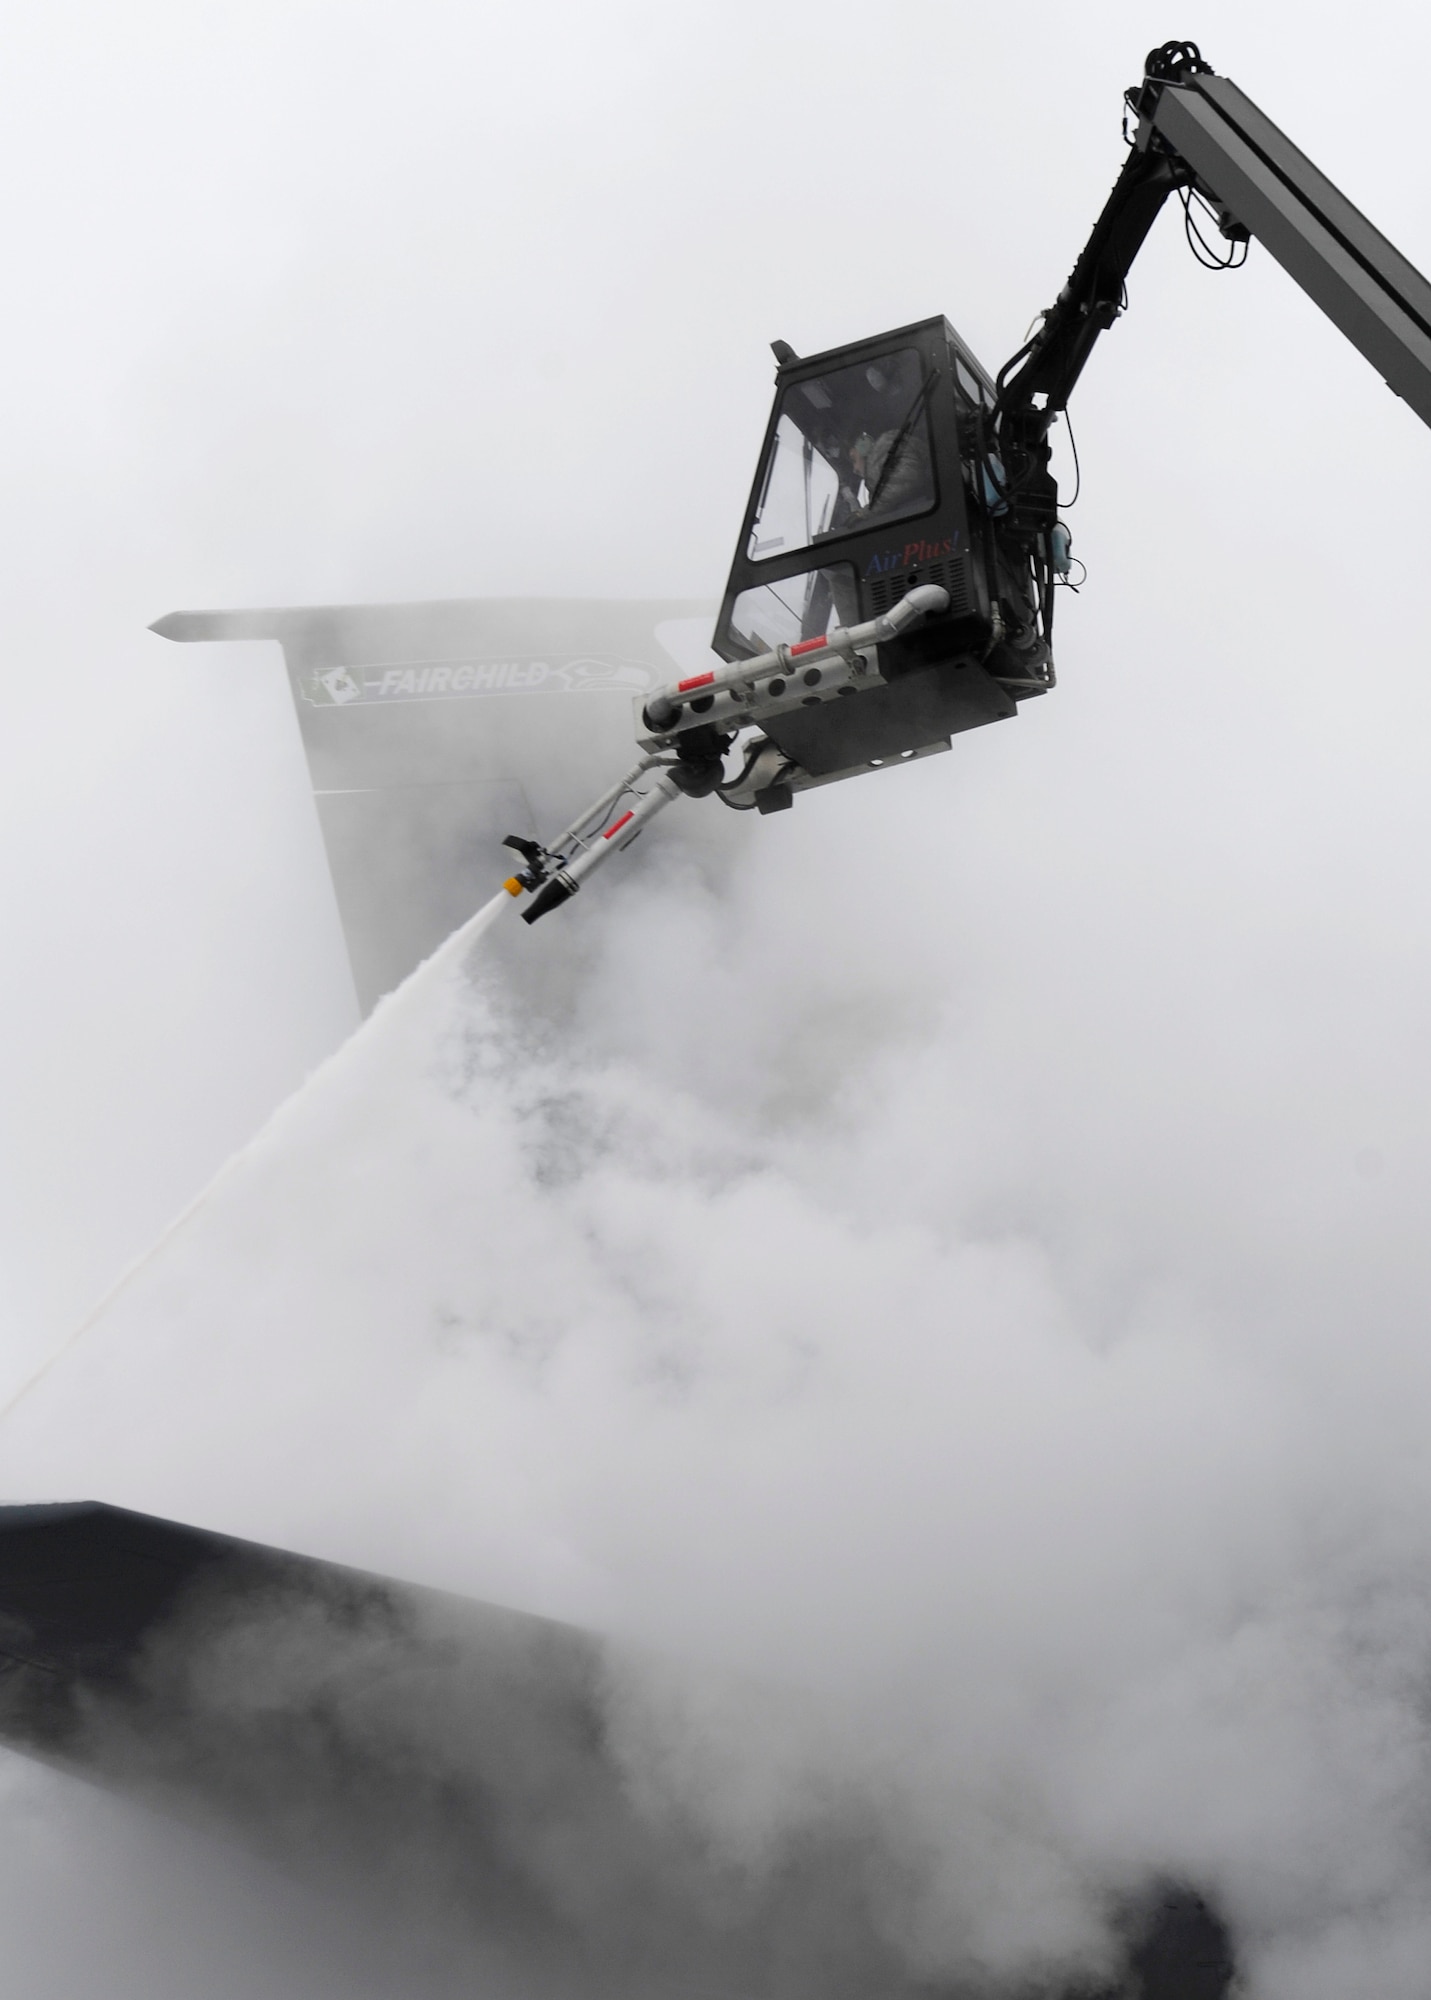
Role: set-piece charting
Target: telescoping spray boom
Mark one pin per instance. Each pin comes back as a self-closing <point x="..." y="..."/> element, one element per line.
<point x="895" y="576"/>
<point x="692" y="723"/>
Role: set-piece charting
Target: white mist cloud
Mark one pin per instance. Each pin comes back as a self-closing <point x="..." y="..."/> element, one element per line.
<point x="898" y="1348"/>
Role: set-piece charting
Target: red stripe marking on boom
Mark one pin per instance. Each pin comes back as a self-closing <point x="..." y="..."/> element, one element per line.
<point x="696" y="681"/>
<point x="619" y="824"/>
<point x="810" y="645"/>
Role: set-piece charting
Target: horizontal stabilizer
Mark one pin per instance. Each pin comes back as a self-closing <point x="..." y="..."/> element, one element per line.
<point x="452" y="1756"/>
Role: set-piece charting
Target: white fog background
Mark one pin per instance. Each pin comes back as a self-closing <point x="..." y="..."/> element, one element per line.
<point x="965" y="1252"/>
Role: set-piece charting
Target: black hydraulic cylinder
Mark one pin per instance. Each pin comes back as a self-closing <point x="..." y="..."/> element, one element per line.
<point x="1198" y="130"/>
<point x="1093" y="297"/>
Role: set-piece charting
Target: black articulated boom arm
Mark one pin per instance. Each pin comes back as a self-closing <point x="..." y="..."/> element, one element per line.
<point x="1197" y="133"/>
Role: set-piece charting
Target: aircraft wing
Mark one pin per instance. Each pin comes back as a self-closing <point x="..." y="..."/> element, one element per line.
<point x="466" y="1763"/>
<point x="432" y="730"/>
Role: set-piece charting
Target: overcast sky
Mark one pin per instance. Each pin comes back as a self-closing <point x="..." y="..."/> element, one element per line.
<point x="328" y="302"/>
<point x="1108" y="1028"/>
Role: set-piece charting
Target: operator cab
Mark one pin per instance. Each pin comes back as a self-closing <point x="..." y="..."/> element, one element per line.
<point x="874" y="477"/>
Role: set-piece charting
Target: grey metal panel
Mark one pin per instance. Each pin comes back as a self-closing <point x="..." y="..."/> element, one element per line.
<point x="1323" y="242"/>
<point x="1362" y="236"/>
<point x="914" y="711"/>
<point x="432" y="730"/>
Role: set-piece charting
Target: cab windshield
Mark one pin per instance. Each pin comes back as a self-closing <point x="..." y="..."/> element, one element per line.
<point x="849" y="447"/>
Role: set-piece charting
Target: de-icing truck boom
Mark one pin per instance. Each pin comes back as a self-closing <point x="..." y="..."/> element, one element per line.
<point x="895" y="575"/>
